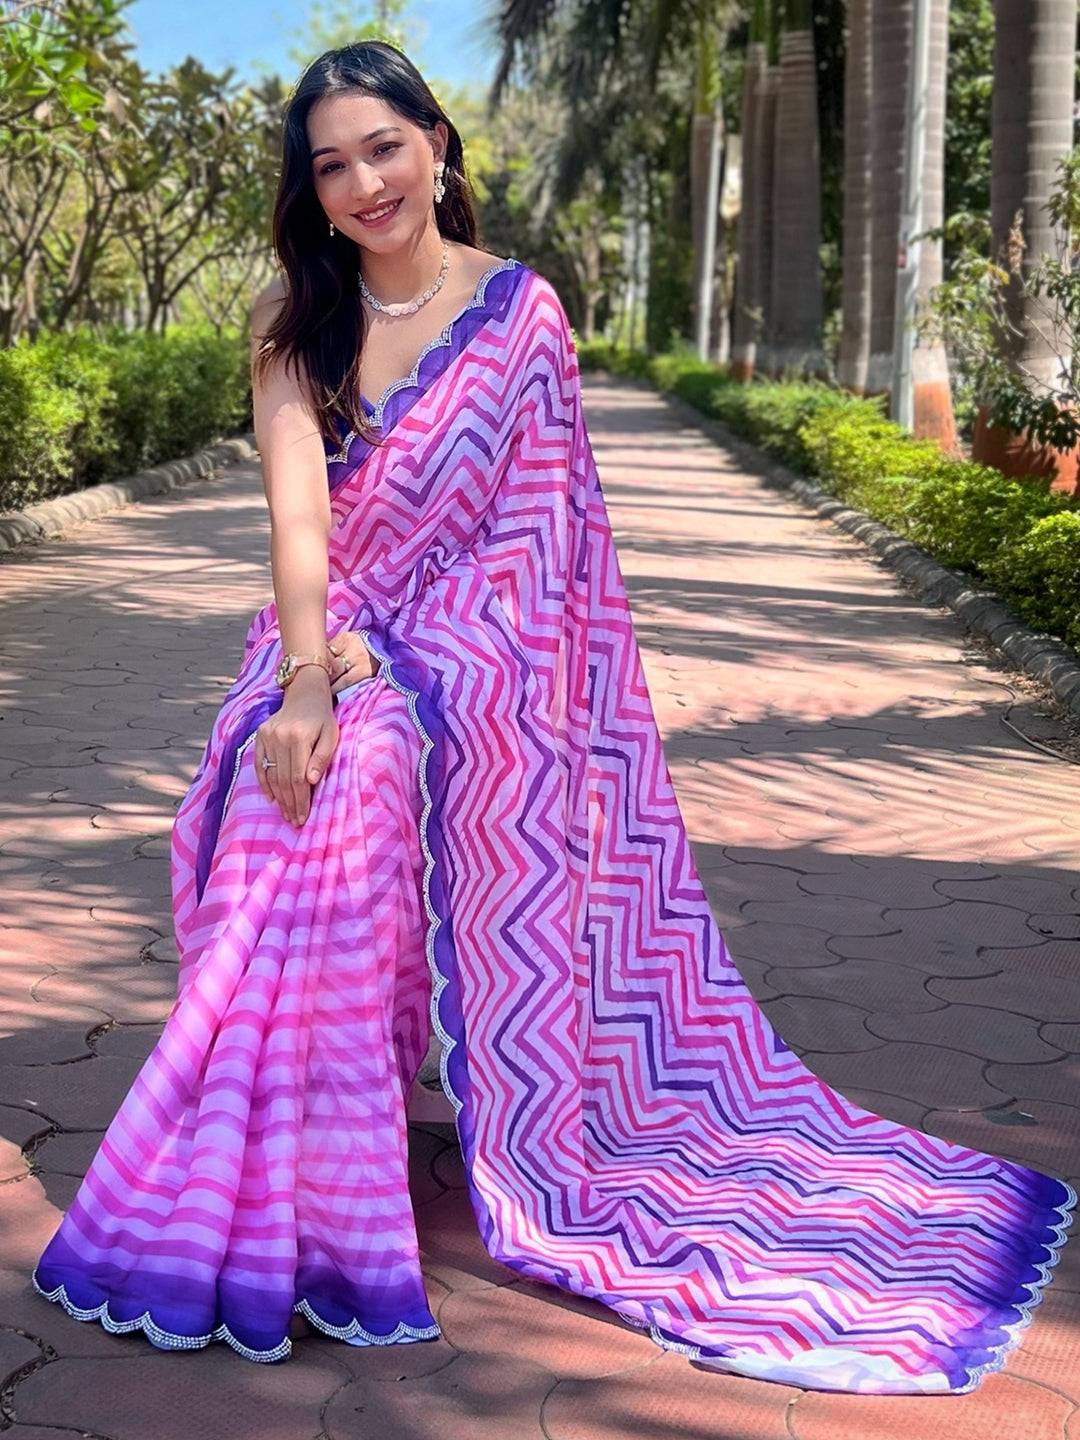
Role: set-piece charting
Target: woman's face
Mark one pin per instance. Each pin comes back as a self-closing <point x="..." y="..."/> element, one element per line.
<point x="365" y="155"/>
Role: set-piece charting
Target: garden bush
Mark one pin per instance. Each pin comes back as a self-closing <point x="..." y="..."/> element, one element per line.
<point x="848" y="445"/>
<point x="77" y="408"/>
<point x="964" y="513"/>
<point x="1040" y="571"/>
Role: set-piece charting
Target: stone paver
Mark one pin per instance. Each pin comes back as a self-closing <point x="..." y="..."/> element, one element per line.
<point x="894" y="871"/>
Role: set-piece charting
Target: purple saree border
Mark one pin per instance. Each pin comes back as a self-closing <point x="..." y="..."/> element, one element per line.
<point x="1036" y="1251"/>
<point x="399" y="396"/>
<point x="400" y="665"/>
<point x="1053" y="1201"/>
<point x="489" y="299"/>
<point x="404" y="1332"/>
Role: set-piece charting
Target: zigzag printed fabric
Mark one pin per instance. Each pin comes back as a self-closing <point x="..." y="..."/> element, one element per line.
<point x="497" y="849"/>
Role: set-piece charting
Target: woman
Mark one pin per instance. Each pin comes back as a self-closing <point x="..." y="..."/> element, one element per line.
<point x="453" y="800"/>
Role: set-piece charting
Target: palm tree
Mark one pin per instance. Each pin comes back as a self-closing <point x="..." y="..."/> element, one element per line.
<point x="889" y="25"/>
<point x="796" y="262"/>
<point x="614" y="70"/>
<point x="706" y="148"/>
<point x="890" y="47"/>
<point x="933" y="412"/>
<point x="748" y="275"/>
<point x="857" y="270"/>
<point x="1032" y="120"/>
<point x="767" y="94"/>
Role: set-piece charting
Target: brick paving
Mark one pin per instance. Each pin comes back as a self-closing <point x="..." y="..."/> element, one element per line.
<point x="895" y="871"/>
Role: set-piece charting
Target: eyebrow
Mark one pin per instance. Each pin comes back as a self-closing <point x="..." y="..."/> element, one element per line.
<point x="382" y="130"/>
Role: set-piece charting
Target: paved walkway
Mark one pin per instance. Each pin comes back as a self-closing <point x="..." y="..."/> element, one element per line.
<point x="895" y="872"/>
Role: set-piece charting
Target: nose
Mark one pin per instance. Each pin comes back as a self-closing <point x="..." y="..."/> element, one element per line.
<point x="364" y="192"/>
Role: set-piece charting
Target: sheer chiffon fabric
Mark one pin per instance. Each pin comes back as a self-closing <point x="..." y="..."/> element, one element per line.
<point x="497" y="849"/>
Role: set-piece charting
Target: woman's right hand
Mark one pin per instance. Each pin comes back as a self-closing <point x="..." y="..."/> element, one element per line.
<point x="300" y="739"/>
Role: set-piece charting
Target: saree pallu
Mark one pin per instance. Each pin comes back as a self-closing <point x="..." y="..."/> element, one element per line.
<point x="497" y="847"/>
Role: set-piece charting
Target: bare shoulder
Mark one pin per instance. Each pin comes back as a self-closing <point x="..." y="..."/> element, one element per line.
<point x="478" y="262"/>
<point x="267" y="303"/>
<point x="288" y="380"/>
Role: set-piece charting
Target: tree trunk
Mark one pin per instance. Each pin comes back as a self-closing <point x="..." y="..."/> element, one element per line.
<point x="724" y="278"/>
<point x="796" y="269"/>
<point x="857" y="272"/>
<point x="714" y="158"/>
<point x="1034" y="82"/>
<point x="706" y="151"/>
<point x="700" y="144"/>
<point x="932" y="394"/>
<point x="748" y="266"/>
<point x="890" y="41"/>
<point x="635" y="251"/>
<point x="766" y="145"/>
<point x="592" y="267"/>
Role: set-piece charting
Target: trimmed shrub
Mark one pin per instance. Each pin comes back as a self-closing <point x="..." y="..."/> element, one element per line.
<point x="965" y="512"/>
<point x="1040" y="572"/>
<point x="848" y="445"/>
<point x="171" y="397"/>
<point x="53" y="401"/>
<point x="887" y="498"/>
<point x="76" y="408"/>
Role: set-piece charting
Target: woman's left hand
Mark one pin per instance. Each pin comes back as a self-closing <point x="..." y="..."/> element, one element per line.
<point x="362" y="664"/>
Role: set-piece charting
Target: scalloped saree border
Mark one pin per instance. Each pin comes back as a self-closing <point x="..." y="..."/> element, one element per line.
<point x="444" y="347"/>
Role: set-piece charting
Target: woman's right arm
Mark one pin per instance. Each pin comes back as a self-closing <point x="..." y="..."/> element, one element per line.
<point x="297" y="491"/>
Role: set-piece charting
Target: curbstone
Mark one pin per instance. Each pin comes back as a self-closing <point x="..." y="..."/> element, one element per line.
<point x="47" y="519"/>
<point x="1043" y="657"/>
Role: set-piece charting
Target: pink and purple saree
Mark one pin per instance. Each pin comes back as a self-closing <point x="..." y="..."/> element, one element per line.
<point x="497" y="848"/>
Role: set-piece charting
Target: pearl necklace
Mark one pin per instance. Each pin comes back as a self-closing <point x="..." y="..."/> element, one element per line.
<point x="408" y="307"/>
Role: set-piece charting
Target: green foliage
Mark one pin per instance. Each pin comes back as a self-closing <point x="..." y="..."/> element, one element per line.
<point x="967" y="110"/>
<point x="1040" y="569"/>
<point x="330" y="24"/>
<point x="775" y="415"/>
<point x="620" y="360"/>
<point x="963" y="512"/>
<point x="37" y="421"/>
<point x="849" y="445"/>
<point x="53" y="401"/>
<point x="75" y="410"/>
<point x="124" y="191"/>
<point x="1017" y="535"/>
<point x="976" y="313"/>
<point x="173" y="392"/>
<point x="48" y="57"/>
<point x="671" y="268"/>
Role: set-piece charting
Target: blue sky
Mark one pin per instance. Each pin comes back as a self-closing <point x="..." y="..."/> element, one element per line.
<point x="256" y="36"/>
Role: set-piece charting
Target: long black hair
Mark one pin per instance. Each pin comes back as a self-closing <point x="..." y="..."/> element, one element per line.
<point x="319" y="322"/>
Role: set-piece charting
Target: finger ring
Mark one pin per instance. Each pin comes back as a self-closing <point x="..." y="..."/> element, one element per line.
<point x="267" y="763"/>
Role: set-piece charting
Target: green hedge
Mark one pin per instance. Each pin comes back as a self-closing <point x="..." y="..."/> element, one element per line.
<point x="77" y="408"/>
<point x="1019" y="537"/>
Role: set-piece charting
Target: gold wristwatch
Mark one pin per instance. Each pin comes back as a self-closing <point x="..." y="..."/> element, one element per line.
<point x="291" y="663"/>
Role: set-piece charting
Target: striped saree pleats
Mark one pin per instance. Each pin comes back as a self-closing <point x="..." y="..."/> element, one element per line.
<point x="497" y="848"/>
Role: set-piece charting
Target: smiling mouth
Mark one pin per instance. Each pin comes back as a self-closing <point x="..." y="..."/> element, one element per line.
<point x="379" y="210"/>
